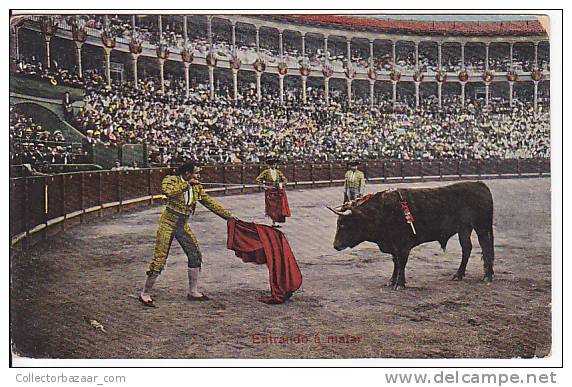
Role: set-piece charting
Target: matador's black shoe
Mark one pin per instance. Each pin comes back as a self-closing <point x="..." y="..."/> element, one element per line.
<point x="201" y="298"/>
<point x="150" y="304"/>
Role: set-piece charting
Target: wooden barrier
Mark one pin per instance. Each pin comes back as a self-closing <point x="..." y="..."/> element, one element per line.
<point x="40" y="203"/>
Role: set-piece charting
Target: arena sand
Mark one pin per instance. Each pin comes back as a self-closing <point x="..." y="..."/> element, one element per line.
<point x="343" y="310"/>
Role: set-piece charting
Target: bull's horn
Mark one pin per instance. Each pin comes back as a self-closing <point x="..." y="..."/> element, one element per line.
<point x="339" y="213"/>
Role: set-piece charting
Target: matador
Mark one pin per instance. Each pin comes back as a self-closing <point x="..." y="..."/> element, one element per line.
<point x="182" y="192"/>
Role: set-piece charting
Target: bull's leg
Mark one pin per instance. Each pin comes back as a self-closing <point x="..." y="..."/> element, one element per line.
<point x="466" y="247"/>
<point x="393" y="278"/>
<point x="402" y="262"/>
<point x="486" y="240"/>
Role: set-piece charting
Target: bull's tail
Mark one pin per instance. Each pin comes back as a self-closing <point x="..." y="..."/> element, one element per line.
<point x="484" y="227"/>
<point x="487" y="242"/>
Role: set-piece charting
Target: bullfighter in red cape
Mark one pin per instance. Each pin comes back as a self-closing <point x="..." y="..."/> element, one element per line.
<point x="275" y="199"/>
<point x="262" y="244"/>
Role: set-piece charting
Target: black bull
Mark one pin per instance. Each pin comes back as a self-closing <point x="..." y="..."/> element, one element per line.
<point x="439" y="213"/>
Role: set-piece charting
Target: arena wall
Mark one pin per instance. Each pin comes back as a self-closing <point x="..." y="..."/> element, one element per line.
<point x="42" y="206"/>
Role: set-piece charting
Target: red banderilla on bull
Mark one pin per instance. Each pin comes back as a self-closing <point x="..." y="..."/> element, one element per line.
<point x="407" y="212"/>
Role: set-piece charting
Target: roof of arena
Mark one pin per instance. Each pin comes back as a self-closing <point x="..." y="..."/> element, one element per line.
<point x="438" y="24"/>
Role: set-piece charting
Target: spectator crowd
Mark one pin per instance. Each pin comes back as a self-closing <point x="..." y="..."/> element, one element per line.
<point x="177" y="128"/>
<point x="32" y="144"/>
<point x="220" y="130"/>
<point x="147" y="31"/>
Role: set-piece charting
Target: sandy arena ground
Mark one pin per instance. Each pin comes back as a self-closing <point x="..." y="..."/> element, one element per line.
<point x="95" y="271"/>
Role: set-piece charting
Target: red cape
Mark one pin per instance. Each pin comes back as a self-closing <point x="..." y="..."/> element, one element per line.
<point x="261" y="244"/>
<point x="276" y="204"/>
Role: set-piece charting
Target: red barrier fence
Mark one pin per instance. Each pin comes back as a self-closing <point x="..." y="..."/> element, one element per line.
<point x="37" y="203"/>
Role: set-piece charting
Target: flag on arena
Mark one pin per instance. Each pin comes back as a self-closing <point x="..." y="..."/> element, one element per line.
<point x="260" y="244"/>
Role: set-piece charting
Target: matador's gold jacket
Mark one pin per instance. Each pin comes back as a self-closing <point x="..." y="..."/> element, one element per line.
<point x="266" y="177"/>
<point x="182" y="197"/>
<point x="355" y="180"/>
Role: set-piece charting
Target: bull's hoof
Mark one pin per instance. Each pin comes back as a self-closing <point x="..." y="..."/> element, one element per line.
<point x="488" y="278"/>
<point x="398" y="286"/>
<point x="458" y="277"/>
<point x="390" y="283"/>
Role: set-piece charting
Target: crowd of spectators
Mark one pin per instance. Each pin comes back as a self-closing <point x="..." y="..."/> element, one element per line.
<point x="33" y="68"/>
<point x="32" y="144"/>
<point x="176" y="128"/>
<point x="221" y="130"/>
<point x="172" y="35"/>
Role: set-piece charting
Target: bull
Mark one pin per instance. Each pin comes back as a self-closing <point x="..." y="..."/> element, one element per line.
<point x="439" y="213"/>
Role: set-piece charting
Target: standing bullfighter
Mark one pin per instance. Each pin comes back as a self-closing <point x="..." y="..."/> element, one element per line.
<point x="275" y="200"/>
<point x="182" y="190"/>
<point x="354" y="182"/>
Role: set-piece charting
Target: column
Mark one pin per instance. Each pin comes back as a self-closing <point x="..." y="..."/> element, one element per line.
<point x="440" y="63"/>
<point x="258" y="40"/>
<point x="47" y="39"/>
<point x="416" y="55"/>
<point x="393" y="52"/>
<point x="349" y="82"/>
<point x="440" y="93"/>
<point x="417" y="95"/>
<point x="235" y="84"/>
<point x="303" y="47"/>
<point x="463" y="55"/>
<point x="78" y="46"/>
<point x="487" y="94"/>
<point x="281" y="44"/>
<point x="371" y="53"/>
<point x="211" y="82"/>
<point x="326" y="53"/>
<point x="535" y="55"/>
<point x="536" y="96"/>
<point x="185" y="31"/>
<point x="327" y="90"/>
<point x="233" y="37"/>
<point x="349" y="44"/>
<point x="210" y="32"/>
<point x="134" y="58"/>
<point x="463" y="94"/>
<point x="394" y="93"/>
<point x="371" y="92"/>
<point x="304" y="78"/>
<point x="258" y="86"/>
<point x="107" y="53"/>
<point x="511" y="56"/>
<point x="487" y="56"/>
<point x="162" y="73"/>
<point x="17" y="42"/>
<point x="187" y="79"/>
<point x="160" y="27"/>
<point x="510" y="92"/>
<point x="187" y="65"/>
<point x="281" y="83"/>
